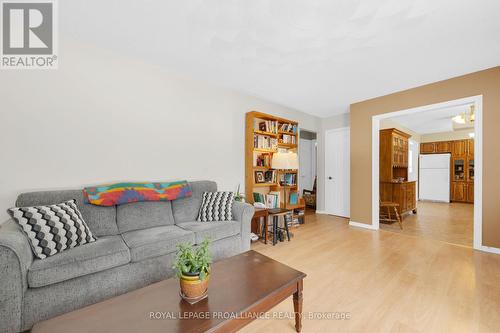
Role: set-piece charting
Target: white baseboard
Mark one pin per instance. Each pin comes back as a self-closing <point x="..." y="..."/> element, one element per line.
<point x="362" y="225"/>
<point x="321" y="212"/>
<point x="489" y="249"/>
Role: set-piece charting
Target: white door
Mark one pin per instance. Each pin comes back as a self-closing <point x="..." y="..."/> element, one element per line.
<point x="305" y="164"/>
<point x="337" y="173"/>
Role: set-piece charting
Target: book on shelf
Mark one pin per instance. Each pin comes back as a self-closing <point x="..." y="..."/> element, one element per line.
<point x="288" y="128"/>
<point x="294" y="198"/>
<point x="263" y="160"/>
<point x="288" y="139"/>
<point x="288" y="179"/>
<point x="271" y="176"/>
<point x="268" y="126"/>
<point x="291" y="220"/>
<point x="276" y="199"/>
<point x="259" y="197"/>
<point x="264" y="142"/>
<point x="271" y="201"/>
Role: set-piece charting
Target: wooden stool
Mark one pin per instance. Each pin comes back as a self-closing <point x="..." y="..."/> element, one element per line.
<point x="275" y="214"/>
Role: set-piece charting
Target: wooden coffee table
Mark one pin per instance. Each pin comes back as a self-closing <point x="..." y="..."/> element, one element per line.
<point x="240" y="288"/>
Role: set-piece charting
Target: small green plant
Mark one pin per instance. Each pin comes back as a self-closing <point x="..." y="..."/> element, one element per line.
<point x="192" y="261"/>
<point x="238" y="196"/>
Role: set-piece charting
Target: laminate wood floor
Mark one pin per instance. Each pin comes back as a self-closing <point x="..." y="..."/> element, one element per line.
<point x="386" y="281"/>
<point x="448" y="222"/>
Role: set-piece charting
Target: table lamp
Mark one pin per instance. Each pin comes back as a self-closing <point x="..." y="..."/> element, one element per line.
<point x="285" y="161"/>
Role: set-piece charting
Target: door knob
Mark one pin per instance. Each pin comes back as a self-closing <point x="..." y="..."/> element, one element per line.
<point x="330" y="178"/>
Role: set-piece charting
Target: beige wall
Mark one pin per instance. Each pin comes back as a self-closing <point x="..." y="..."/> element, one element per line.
<point x="486" y="83"/>
<point x="447" y="136"/>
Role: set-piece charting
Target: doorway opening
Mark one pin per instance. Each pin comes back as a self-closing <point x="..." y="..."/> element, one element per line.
<point x="308" y="154"/>
<point x="427" y="171"/>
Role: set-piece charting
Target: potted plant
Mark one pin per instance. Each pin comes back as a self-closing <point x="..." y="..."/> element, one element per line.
<point x="192" y="266"/>
<point x="238" y="196"/>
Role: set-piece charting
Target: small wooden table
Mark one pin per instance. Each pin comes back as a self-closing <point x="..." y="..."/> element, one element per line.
<point x="239" y="287"/>
<point x="259" y="222"/>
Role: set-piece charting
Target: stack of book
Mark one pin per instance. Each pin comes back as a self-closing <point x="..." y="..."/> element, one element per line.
<point x="264" y="142"/>
<point x="268" y="126"/>
<point x="298" y="216"/>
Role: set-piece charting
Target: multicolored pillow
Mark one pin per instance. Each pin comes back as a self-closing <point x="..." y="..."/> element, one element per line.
<point x="122" y="193"/>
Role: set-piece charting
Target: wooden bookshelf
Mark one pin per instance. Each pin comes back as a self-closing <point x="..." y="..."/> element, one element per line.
<point x="273" y="135"/>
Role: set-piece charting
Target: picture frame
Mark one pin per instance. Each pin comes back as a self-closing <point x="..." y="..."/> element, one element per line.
<point x="259" y="177"/>
<point x="294" y="198"/>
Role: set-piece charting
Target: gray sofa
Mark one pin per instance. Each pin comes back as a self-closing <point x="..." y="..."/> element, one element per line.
<point x="135" y="247"/>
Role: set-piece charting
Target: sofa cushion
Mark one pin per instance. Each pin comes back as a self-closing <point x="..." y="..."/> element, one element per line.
<point x="101" y="220"/>
<point x="186" y="209"/>
<point x="214" y="230"/>
<point x="216" y="206"/>
<point x="106" y="252"/>
<point x="142" y="215"/>
<point x="157" y="241"/>
<point x="53" y="228"/>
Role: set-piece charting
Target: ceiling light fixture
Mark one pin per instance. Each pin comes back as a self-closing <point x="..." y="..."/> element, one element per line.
<point x="459" y="119"/>
<point x="465" y="117"/>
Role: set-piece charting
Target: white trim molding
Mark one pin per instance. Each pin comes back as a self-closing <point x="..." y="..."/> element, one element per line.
<point x="478" y="162"/>
<point x="361" y="225"/>
<point x="321" y="212"/>
<point x="489" y="249"/>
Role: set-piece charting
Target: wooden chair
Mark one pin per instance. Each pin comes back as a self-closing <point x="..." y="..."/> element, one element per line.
<point x="310" y="196"/>
<point x="385" y="213"/>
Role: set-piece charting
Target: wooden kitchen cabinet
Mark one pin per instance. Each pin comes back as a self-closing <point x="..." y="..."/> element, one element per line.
<point x="462" y="192"/>
<point x="443" y="147"/>
<point x="404" y="194"/>
<point x="458" y="168"/>
<point x="393" y="155"/>
<point x="427" y="148"/>
<point x="470" y="147"/>
<point x="459" y="148"/>
<point x="456" y="148"/>
<point x="439" y="147"/>
<point x="459" y="191"/>
<point x="394" y="184"/>
<point x="470" y="192"/>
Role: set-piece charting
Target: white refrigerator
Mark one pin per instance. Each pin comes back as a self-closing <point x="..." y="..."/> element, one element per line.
<point x="434" y="182"/>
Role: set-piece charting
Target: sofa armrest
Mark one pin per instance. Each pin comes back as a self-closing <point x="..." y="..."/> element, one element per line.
<point x="243" y="213"/>
<point x="15" y="259"/>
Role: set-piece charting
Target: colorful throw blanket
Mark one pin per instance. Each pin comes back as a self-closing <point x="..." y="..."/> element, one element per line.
<point x="122" y="193"/>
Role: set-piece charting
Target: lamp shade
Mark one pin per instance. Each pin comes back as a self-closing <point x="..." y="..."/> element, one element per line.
<point x="285" y="161"/>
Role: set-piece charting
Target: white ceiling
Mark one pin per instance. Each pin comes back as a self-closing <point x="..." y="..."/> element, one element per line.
<point x="433" y="121"/>
<point x="317" y="56"/>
